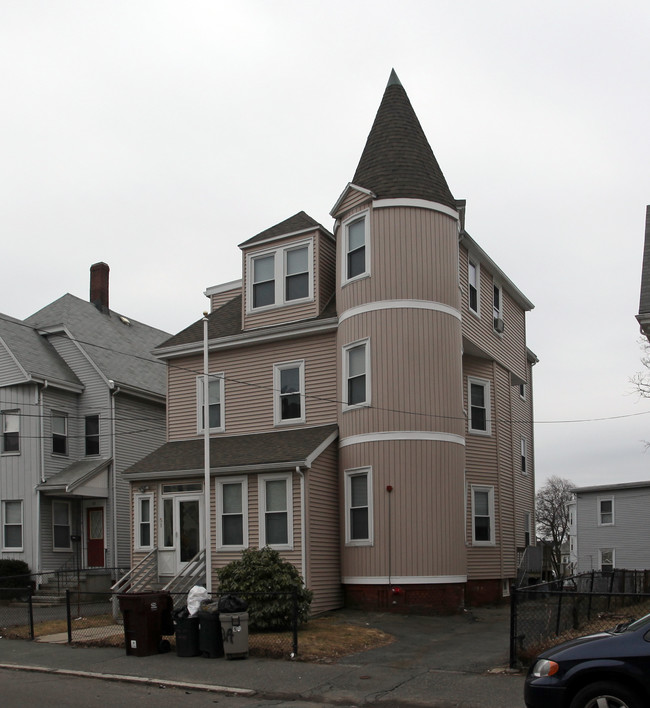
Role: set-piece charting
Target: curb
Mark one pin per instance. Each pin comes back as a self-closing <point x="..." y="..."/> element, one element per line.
<point x="213" y="688"/>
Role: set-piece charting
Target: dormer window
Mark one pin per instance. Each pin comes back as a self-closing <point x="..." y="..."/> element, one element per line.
<point x="280" y="277"/>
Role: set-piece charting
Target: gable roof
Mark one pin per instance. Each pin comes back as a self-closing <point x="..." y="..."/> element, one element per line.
<point x="397" y="160"/>
<point x="34" y="357"/>
<point x="120" y="348"/>
<point x="284" y="449"/>
<point x="293" y="225"/>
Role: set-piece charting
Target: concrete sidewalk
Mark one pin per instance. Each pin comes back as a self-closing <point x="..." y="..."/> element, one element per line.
<point x="435" y="661"/>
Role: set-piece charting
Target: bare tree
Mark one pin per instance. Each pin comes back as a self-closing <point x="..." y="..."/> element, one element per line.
<point x="641" y="380"/>
<point x="552" y="511"/>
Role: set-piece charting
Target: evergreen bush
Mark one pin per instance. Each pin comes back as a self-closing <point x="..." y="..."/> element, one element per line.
<point x="264" y="571"/>
<point x="13" y="574"/>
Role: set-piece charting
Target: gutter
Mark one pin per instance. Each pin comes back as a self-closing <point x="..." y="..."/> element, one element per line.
<point x="114" y="391"/>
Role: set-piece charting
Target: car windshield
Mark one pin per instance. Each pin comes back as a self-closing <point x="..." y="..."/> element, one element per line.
<point x="632" y="625"/>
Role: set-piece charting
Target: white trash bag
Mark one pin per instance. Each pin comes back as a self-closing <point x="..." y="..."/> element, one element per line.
<point x="194" y="599"/>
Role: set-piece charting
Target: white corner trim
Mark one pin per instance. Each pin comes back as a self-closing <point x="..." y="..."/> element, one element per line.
<point x="390" y="436"/>
<point x="419" y="203"/>
<point x="404" y="579"/>
<point x="400" y="305"/>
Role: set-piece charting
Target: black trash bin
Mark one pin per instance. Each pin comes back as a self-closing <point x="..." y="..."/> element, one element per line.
<point x="147" y="617"/>
<point x="210" y="639"/>
<point x="187" y="634"/>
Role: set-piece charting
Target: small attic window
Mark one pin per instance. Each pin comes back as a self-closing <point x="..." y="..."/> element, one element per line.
<point x="125" y="320"/>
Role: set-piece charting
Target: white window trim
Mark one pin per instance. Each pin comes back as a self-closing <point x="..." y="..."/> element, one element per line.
<point x="348" y="474"/>
<point x="62" y="549"/>
<point x="344" y="397"/>
<point x="243" y="481"/>
<point x="471" y="261"/>
<point x="16" y="412"/>
<point x="600" y="513"/>
<point x="600" y="557"/>
<point x="497" y="314"/>
<point x="488" y="406"/>
<point x="277" y="402"/>
<point x="138" y="520"/>
<point x="199" y="403"/>
<point x="344" y="264"/>
<point x="279" y="275"/>
<point x="263" y="479"/>
<point x="60" y="414"/>
<point x="4" y="525"/>
<point x="490" y="491"/>
<point x="523" y="446"/>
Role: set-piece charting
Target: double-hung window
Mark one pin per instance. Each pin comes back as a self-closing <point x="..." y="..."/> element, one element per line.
<point x="606" y="511"/>
<point x="479" y="406"/>
<point x="473" y="285"/>
<point x="61" y="540"/>
<point x="12" y="526"/>
<point x="606" y="556"/>
<point x="280" y="277"/>
<point x="524" y="455"/>
<point x="527" y="528"/>
<point x="59" y="433"/>
<point x="498" y="308"/>
<point x="232" y="514"/>
<point x="356" y="374"/>
<point x="10" y="431"/>
<point x="355" y="234"/>
<point x="482" y="516"/>
<point x="358" y="507"/>
<point x="289" y="392"/>
<point x="215" y="402"/>
<point x="144" y="521"/>
<point x="92" y="435"/>
<point x="276" y="517"/>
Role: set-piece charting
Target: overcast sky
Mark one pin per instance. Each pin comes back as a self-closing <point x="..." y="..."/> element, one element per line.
<point x="156" y="136"/>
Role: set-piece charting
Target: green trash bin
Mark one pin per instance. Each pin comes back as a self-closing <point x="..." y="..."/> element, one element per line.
<point x="234" y="628"/>
<point x="147" y="617"/>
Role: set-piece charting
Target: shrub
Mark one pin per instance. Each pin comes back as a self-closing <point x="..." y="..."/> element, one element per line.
<point x="264" y="571"/>
<point x="13" y="574"/>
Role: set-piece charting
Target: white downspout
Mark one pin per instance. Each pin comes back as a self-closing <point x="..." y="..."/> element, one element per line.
<point x="303" y="540"/>
<point x="206" y="455"/>
<point x="39" y="540"/>
<point x="114" y="393"/>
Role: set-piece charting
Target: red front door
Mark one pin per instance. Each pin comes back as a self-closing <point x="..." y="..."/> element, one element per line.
<point x="95" y="537"/>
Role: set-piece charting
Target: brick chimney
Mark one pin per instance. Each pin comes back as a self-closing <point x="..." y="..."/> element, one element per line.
<point x="99" y="286"/>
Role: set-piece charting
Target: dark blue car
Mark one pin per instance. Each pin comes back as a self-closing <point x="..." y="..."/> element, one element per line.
<point x="606" y="670"/>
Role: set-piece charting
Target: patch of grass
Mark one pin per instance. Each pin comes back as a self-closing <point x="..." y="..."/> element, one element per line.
<point x="324" y="639"/>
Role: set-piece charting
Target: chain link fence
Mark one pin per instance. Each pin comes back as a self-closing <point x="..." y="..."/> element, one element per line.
<point x="95" y="619"/>
<point x="547" y="614"/>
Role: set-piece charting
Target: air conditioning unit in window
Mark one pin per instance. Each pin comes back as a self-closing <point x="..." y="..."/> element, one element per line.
<point x="498" y="324"/>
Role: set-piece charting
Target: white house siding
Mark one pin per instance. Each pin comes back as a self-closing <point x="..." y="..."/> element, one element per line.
<point x="323" y="550"/>
<point x="19" y="474"/>
<point x="248" y="373"/>
<point x="628" y="536"/>
<point x="139" y="430"/>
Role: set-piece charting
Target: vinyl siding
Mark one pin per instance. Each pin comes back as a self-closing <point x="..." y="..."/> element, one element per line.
<point x="248" y="385"/>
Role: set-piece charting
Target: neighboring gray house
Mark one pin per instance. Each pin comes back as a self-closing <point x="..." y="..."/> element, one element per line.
<point x="81" y="399"/>
<point x="611" y="526"/>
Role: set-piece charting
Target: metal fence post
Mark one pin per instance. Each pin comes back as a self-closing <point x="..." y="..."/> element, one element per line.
<point x="514" y="598"/>
<point x="31" y="613"/>
<point x="559" y="612"/>
<point x="68" y="615"/>
<point x="294" y="595"/>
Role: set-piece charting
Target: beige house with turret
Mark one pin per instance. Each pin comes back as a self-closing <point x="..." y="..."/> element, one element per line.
<point x="369" y="402"/>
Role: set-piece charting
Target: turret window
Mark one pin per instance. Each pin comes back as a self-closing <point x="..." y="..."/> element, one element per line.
<point x="356" y="248"/>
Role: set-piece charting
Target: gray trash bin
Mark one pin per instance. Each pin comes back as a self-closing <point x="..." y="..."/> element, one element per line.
<point x="234" y="629"/>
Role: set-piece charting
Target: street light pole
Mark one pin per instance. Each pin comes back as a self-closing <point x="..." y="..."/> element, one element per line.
<point x="206" y="455"/>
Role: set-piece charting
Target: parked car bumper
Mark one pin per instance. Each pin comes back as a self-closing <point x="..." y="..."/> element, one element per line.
<point x="539" y="694"/>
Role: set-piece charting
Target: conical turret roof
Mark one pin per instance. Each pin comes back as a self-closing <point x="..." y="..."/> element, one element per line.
<point x="397" y="161"/>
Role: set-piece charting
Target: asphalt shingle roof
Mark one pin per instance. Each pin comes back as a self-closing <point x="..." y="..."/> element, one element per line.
<point x="644" y="302"/>
<point x="121" y="350"/>
<point x="281" y="447"/>
<point x="298" y="222"/>
<point x="397" y="161"/>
